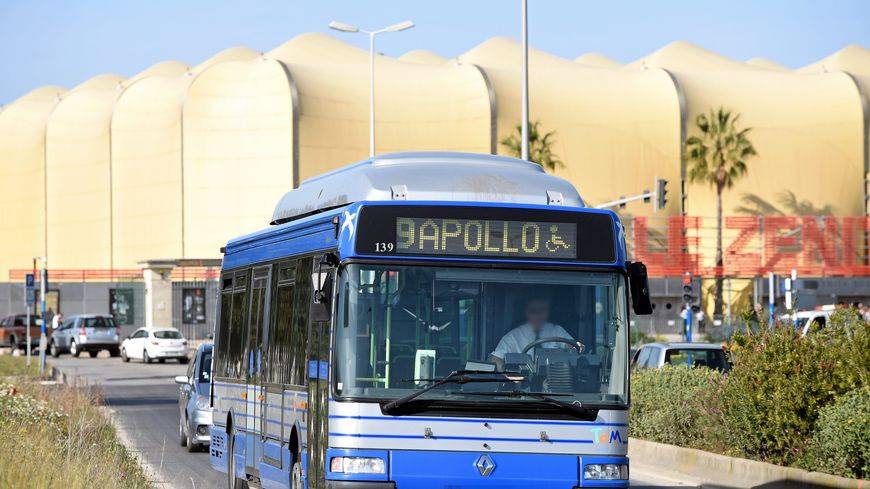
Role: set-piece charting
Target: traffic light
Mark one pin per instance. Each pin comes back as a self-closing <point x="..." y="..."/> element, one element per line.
<point x="688" y="293"/>
<point x="661" y="193"/>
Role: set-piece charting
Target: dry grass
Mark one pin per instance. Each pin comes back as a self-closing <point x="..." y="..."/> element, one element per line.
<point x="56" y="437"/>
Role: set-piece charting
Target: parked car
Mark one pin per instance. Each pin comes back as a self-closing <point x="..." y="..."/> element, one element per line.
<point x="807" y="321"/>
<point x="195" y="418"/>
<point x="155" y="344"/>
<point x="86" y="333"/>
<point x="13" y="333"/>
<point x="656" y="355"/>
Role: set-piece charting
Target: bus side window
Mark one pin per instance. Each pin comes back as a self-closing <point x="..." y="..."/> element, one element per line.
<point x="223" y="329"/>
<point x="238" y="331"/>
<point x="299" y="332"/>
<point x="279" y="355"/>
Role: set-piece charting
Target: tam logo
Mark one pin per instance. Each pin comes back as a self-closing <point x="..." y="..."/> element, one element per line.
<point x="610" y="436"/>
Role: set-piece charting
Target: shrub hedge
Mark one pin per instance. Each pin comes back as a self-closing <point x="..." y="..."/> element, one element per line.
<point x="841" y="441"/>
<point x="778" y="404"/>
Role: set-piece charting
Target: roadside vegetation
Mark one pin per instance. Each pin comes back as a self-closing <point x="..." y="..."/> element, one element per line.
<point x="55" y="436"/>
<point x="802" y="402"/>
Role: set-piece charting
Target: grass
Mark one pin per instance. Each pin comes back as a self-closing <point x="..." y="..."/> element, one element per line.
<point x="17" y="366"/>
<point x="55" y="436"/>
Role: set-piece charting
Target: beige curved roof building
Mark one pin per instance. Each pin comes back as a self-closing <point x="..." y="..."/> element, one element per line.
<point x="616" y="130"/>
<point x="147" y="162"/>
<point x="22" y="177"/>
<point x="423" y="56"/>
<point x="855" y="61"/>
<point x="598" y="60"/>
<point x="253" y="129"/>
<point x="808" y="124"/>
<point x="78" y="176"/>
<point x="766" y="64"/>
<point x="174" y="160"/>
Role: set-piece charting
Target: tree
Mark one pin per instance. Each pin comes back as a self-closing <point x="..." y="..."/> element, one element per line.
<point x="717" y="155"/>
<point x="540" y="148"/>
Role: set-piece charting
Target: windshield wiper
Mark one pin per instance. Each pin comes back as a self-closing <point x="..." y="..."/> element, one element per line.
<point x="574" y="407"/>
<point x="455" y="377"/>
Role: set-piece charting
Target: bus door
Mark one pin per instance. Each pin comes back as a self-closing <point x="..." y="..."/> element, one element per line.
<point x="318" y="374"/>
<point x="256" y="394"/>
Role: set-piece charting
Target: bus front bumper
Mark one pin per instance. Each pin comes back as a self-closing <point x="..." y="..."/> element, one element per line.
<point x="424" y="469"/>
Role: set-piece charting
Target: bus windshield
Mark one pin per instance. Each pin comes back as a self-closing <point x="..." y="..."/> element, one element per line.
<point x="400" y="328"/>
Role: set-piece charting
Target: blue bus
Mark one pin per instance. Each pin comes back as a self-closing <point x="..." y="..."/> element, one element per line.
<point x="426" y="320"/>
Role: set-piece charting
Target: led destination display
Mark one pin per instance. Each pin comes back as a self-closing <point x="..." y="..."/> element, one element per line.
<point x="470" y="237"/>
<point x="493" y="232"/>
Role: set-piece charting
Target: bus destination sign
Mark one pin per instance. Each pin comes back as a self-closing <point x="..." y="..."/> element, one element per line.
<point x="495" y="232"/>
<point x="486" y="237"/>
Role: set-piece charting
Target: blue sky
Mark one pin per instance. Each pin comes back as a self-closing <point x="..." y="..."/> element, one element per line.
<point x="66" y="42"/>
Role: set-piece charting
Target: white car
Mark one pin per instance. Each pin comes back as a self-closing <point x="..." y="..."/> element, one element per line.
<point x="808" y="321"/>
<point x="155" y="344"/>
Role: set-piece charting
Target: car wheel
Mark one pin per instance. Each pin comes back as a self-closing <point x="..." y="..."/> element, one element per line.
<point x="114" y="352"/>
<point x="124" y="356"/>
<point x="183" y="360"/>
<point x="182" y="432"/>
<point x="94" y="353"/>
<point x="192" y="446"/>
<point x="74" y="349"/>
<point x="161" y="360"/>
<point x="145" y="357"/>
<point x="54" y="350"/>
<point x="296" y="476"/>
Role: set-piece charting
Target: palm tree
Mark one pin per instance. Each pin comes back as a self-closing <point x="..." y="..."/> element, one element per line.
<point x="717" y="156"/>
<point x="540" y="148"/>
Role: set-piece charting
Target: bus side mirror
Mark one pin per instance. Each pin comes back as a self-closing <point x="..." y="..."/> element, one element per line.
<point x="321" y="301"/>
<point x="639" y="284"/>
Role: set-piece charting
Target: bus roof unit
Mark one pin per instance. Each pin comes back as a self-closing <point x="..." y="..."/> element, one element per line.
<point x="426" y="176"/>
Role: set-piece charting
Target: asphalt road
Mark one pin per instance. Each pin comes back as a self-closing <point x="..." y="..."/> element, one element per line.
<point x="145" y="405"/>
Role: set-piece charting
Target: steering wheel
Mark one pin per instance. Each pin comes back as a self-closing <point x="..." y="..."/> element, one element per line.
<point x="576" y="345"/>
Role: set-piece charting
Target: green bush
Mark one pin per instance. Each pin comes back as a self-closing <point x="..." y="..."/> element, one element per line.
<point x="677" y="405"/>
<point x="788" y="400"/>
<point x="781" y="381"/>
<point x="841" y="441"/>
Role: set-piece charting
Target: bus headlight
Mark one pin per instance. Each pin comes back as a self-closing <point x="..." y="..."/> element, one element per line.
<point x="605" y="472"/>
<point x="357" y="465"/>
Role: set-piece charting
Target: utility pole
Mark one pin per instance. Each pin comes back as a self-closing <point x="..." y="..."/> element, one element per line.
<point x="43" y="289"/>
<point x="771" y="297"/>
<point x="525" y="81"/>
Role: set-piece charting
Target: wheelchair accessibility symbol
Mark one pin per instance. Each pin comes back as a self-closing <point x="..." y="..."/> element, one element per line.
<point x="556" y="242"/>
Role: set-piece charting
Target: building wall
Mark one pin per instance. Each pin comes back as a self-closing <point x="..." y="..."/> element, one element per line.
<point x="174" y="161"/>
<point x="78" y="176"/>
<point x="22" y="177"/>
<point x="147" y="162"/>
<point x="615" y="131"/>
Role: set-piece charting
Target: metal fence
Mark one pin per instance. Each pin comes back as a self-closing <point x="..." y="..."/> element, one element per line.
<point x="194" y="308"/>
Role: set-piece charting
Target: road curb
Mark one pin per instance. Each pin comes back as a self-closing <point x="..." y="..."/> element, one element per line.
<point x="715" y="471"/>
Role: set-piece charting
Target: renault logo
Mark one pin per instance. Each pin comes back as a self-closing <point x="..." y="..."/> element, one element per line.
<point x="484" y="465"/>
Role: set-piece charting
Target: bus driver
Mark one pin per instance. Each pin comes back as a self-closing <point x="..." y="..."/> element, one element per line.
<point x="536" y="327"/>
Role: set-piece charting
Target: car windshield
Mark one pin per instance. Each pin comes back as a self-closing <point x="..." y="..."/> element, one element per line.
<point x="401" y="327"/>
<point x="698" y="357"/>
<point x="168" y="334"/>
<point x="205" y="366"/>
<point x="100" y="322"/>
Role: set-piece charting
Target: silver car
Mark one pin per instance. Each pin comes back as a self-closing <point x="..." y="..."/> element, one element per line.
<point x="86" y="333"/>
<point x="194" y="421"/>
<point x="656" y="355"/>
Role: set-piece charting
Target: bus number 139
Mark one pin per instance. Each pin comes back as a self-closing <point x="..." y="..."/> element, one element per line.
<point x="384" y="247"/>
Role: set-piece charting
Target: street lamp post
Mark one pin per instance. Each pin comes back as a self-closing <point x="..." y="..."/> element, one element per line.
<point x="341" y="26"/>
<point x="524" y="145"/>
